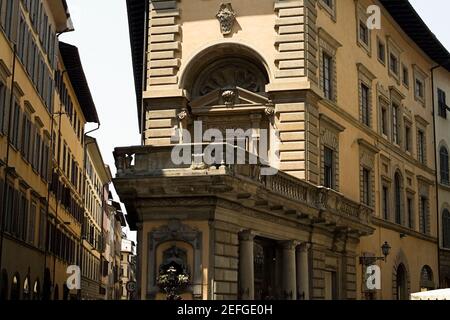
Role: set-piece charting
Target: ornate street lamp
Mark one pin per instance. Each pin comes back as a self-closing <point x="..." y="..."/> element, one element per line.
<point x="367" y="261"/>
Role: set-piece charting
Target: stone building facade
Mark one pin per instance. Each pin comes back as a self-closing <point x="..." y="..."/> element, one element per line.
<point x="45" y="103"/>
<point x="340" y="119"/>
<point x="441" y="78"/>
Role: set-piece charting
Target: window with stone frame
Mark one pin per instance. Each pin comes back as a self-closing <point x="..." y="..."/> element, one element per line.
<point x="385" y="201"/>
<point x="444" y="166"/>
<point x="408" y="136"/>
<point x="398" y="198"/>
<point x="396" y="127"/>
<point x="424" y="207"/>
<point x="327" y="65"/>
<point x="365" y="79"/>
<point x="405" y="76"/>
<point x="410" y="210"/>
<point x="394" y="53"/>
<point x="442" y="103"/>
<point x="329" y="152"/>
<point x="329" y="6"/>
<point x="381" y="51"/>
<point x="363" y="33"/>
<point x="421" y="153"/>
<point x="420" y="78"/>
<point x="367" y="154"/>
<point x="384" y="122"/>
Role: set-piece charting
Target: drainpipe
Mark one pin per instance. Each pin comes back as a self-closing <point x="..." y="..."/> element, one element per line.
<point x="7" y="168"/>
<point x="437" y="176"/>
<point x="83" y="202"/>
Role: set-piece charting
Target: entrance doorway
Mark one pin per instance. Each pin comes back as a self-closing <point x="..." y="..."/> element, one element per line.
<point x="265" y="261"/>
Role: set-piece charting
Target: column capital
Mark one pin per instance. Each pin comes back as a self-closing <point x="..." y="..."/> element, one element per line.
<point x="289" y="244"/>
<point x="303" y="247"/>
<point x="247" y="235"/>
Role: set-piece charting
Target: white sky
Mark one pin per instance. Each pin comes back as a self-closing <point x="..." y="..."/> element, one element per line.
<point x="101" y="34"/>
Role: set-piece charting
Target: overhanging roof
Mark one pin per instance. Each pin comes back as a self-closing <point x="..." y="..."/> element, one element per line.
<point x="137" y="10"/>
<point x="412" y="24"/>
<point x="72" y="63"/>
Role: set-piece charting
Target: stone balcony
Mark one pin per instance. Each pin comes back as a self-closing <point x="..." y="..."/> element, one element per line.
<point x="148" y="172"/>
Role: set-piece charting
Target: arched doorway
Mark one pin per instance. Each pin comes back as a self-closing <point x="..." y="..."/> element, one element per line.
<point x="265" y="269"/>
<point x="402" y="283"/>
<point x="15" y="287"/>
<point x="4" y="285"/>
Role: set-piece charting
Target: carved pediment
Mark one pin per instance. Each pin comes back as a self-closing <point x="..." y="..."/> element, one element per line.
<point x="230" y="99"/>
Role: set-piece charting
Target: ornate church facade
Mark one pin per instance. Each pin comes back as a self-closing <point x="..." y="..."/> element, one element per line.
<point x="333" y="170"/>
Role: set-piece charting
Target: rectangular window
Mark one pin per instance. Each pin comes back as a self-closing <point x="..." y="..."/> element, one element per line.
<point x="409" y="204"/>
<point x="363" y="33"/>
<point x="15" y="132"/>
<point x="442" y="104"/>
<point x="327" y="75"/>
<point x="405" y="76"/>
<point x="384" y="121"/>
<point x="393" y="64"/>
<point x="3" y="108"/>
<point x="365" y="104"/>
<point x="328" y="168"/>
<point x="366" y="187"/>
<point x="385" y="201"/>
<point x="408" y="138"/>
<point x="419" y="89"/>
<point x="381" y="52"/>
<point x="424" y="214"/>
<point x="421" y="146"/>
<point x="329" y="3"/>
<point x="395" y="124"/>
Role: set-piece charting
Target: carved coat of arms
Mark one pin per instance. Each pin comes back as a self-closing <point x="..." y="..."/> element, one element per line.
<point x="226" y="17"/>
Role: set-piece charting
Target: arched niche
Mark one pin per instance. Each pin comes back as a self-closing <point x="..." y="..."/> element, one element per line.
<point x="184" y="237"/>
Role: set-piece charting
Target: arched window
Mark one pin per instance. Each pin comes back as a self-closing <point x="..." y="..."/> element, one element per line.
<point x="36" y="290"/>
<point x="444" y="166"/>
<point x="446" y="229"/>
<point x="426" y="279"/>
<point x="398" y="198"/>
<point x="402" y="283"/>
<point x="15" y="287"/>
<point x="26" y="289"/>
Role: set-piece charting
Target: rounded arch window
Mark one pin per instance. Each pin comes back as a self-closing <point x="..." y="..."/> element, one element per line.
<point x="401" y="283"/>
<point x="426" y="279"/>
<point x="230" y="73"/>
